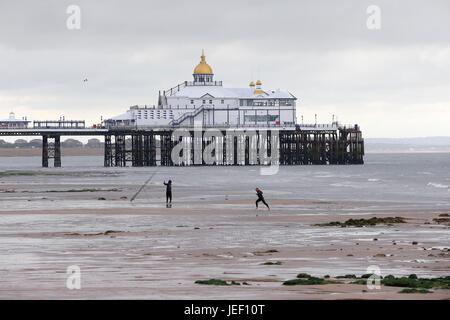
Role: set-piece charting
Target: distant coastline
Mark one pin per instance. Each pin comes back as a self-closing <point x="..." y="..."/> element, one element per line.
<point x="408" y="145"/>
<point x="69" y="147"/>
<point x="33" y="152"/>
<point x="83" y="151"/>
<point x="94" y="147"/>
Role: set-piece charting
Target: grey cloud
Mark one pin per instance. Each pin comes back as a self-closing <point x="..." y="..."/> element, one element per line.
<point x="292" y="24"/>
<point x="320" y="50"/>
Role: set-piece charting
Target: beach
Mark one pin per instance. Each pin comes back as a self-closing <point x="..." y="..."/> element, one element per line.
<point x="81" y="215"/>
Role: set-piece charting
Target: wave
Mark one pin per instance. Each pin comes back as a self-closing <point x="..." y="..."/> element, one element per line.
<point x="437" y="185"/>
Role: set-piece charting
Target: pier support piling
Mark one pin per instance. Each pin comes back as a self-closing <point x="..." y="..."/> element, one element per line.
<point x="51" y="149"/>
<point x="285" y="147"/>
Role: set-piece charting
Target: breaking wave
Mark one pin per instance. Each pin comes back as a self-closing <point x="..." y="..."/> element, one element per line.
<point x="437" y="185"/>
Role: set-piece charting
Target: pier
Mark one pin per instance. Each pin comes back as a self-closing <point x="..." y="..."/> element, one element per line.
<point x="165" y="146"/>
<point x="203" y="122"/>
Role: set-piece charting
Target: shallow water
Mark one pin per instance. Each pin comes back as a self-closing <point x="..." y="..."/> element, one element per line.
<point x="397" y="180"/>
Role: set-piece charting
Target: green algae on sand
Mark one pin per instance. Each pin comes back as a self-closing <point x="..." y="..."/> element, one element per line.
<point x="218" y="282"/>
<point x="413" y="281"/>
<point x="272" y="263"/>
<point x="414" y="290"/>
<point x="363" y="222"/>
<point x="306" y="279"/>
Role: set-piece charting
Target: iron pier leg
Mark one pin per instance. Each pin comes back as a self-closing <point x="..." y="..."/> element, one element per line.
<point x="57" y="152"/>
<point x="45" y="151"/>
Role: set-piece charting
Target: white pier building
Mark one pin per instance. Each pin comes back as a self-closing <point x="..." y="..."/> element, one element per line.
<point x="207" y="102"/>
<point x="13" y="123"/>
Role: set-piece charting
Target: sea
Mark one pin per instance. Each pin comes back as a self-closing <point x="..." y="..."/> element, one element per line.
<point x="415" y="179"/>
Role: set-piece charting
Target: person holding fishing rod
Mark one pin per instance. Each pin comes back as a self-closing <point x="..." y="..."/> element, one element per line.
<point x="168" y="193"/>
<point x="168" y="190"/>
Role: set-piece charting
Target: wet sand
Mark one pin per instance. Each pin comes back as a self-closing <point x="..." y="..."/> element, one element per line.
<point x="52" y="219"/>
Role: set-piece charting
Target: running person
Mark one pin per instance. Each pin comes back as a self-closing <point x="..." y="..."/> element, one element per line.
<point x="259" y="193"/>
<point x="168" y="192"/>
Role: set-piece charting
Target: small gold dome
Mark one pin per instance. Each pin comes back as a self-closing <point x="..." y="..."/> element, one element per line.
<point x="259" y="83"/>
<point x="252" y="84"/>
<point x="203" y="67"/>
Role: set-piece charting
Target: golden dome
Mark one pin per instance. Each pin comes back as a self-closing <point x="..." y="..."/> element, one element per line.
<point x="203" y="67"/>
<point x="258" y="90"/>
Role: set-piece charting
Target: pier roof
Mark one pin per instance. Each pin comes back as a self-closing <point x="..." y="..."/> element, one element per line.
<point x="221" y="92"/>
<point x="13" y="120"/>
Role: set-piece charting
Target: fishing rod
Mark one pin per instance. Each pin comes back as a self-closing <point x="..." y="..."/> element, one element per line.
<point x="143" y="186"/>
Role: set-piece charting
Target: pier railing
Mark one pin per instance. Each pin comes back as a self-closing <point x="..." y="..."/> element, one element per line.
<point x="59" y="124"/>
<point x="184" y="84"/>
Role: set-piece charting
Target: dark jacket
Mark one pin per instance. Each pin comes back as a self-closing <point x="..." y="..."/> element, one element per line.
<point x="260" y="194"/>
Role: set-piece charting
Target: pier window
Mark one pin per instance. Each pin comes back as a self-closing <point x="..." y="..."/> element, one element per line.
<point x="285" y="102"/>
<point x="247" y="102"/>
<point x="261" y="118"/>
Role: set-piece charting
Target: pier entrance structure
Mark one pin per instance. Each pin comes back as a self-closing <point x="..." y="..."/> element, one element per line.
<point x="201" y="122"/>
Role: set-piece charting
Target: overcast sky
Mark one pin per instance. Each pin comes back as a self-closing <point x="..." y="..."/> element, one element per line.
<point x="394" y="82"/>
